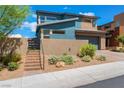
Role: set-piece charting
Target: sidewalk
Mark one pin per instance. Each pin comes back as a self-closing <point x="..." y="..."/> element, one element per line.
<point x="68" y="78"/>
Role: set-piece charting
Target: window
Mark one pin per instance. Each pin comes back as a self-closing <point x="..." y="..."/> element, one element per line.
<point x="117" y="23"/>
<point x="87" y="20"/>
<point x="58" y="32"/>
<point x="51" y="18"/>
<point x="46" y="32"/>
<point x="94" y="23"/>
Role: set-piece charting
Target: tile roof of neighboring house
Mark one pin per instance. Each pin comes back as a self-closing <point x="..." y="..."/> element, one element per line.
<point x="60" y="13"/>
<point x="58" y="21"/>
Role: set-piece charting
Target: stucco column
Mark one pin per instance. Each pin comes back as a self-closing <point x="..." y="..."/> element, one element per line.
<point x="51" y="32"/>
<point x="102" y="43"/>
<point x="41" y="34"/>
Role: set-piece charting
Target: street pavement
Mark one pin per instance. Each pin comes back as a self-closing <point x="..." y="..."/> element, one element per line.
<point x="117" y="82"/>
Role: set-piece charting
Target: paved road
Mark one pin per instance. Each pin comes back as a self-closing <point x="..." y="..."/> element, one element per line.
<point x="117" y="82"/>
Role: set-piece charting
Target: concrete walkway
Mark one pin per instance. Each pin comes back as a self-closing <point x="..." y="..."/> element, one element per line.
<point x="68" y="78"/>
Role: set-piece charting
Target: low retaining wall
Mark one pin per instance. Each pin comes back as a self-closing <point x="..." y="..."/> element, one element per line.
<point x="20" y="45"/>
<point x="23" y="48"/>
<point x="60" y="46"/>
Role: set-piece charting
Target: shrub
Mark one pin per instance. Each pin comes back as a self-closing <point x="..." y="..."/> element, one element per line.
<point x="86" y="58"/>
<point x="67" y="59"/>
<point x="15" y="57"/>
<point x="13" y="66"/>
<point x="53" y="60"/>
<point x="101" y="58"/>
<point x="11" y="58"/>
<point x="88" y="50"/>
<point x="120" y="39"/>
<point x="65" y="54"/>
<point x="6" y="59"/>
<point x="1" y="68"/>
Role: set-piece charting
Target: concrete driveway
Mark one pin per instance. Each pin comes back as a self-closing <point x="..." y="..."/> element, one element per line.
<point x="113" y="56"/>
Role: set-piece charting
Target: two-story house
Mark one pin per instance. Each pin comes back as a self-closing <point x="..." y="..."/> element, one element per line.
<point x="68" y="26"/>
<point x="113" y="29"/>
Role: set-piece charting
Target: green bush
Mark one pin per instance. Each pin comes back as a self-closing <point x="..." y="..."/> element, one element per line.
<point x="88" y="50"/>
<point x="101" y="58"/>
<point x="6" y="59"/>
<point x="86" y="58"/>
<point x="53" y="60"/>
<point x="67" y="59"/>
<point x="15" y="57"/>
<point x="11" y="58"/>
<point x="13" y="66"/>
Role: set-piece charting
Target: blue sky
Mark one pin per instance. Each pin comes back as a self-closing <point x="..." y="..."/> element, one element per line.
<point x="106" y="14"/>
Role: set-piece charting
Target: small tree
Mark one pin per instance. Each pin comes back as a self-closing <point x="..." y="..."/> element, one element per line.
<point x="121" y="39"/>
<point x="11" y="18"/>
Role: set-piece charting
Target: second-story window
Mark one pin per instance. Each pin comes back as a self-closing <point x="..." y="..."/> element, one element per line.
<point x="51" y="18"/>
<point x="87" y="20"/>
<point x="42" y="18"/>
<point x="94" y="24"/>
<point x="117" y="23"/>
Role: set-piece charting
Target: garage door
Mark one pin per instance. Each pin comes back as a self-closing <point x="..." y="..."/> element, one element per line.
<point x="92" y="40"/>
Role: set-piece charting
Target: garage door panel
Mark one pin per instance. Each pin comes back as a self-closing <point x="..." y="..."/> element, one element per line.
<point x="92" y="40"/>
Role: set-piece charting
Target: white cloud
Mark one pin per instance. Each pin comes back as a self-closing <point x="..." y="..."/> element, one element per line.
<point x="34" y="15"/>
<point x="87" y="13"/>
<point x="30" y="25"/>
<point x="15" y="36"/>
<point x="65" y="8"/>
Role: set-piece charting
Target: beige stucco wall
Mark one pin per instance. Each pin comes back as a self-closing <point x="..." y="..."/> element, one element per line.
<point x="60" y="46"/>
<point x="88" y="26"/>
<point x="23" y="48"/>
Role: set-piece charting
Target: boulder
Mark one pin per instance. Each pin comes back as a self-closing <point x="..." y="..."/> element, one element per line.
<point x="60" y="64"/>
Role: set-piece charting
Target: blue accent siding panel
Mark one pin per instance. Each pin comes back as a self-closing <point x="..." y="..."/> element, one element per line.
<point x="68" y="27"/>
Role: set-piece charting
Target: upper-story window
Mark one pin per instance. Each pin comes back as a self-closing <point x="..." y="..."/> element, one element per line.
<point x="87" y="20"/>
<point x="51" y="18"/>
<point x="42" y="18"/>
<point x="47" y="18"/>
<point x="117" y="23"/>
<point x="94" y="24"/>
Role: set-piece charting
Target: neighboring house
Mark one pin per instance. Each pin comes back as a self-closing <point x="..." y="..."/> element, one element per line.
<point x="113" y="29"/>
<point x="54" y="25"/>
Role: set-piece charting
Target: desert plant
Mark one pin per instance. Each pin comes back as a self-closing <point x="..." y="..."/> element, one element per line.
<point x="88" y="49"/>
<point x="6" y="59"/>
<point x="68" y="59"/>
<point x="65" y="54"/>
<point x="53" y="60"/>
<point x="15" y="57"/>
<point x="1" y="68"/>
<point x="120" y="39"/>
<point x="101" y="58"/>
<point x="13" y="66"/>
<point x="86" y="58"/>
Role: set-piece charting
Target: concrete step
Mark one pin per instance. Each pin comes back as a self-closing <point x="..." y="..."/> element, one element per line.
<point x="32" y="61"/>
<point x="33" y="55"/>
<point x="32" y="69"/>
<point x="32" y="65"/>
<point x="33" y="58"/>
